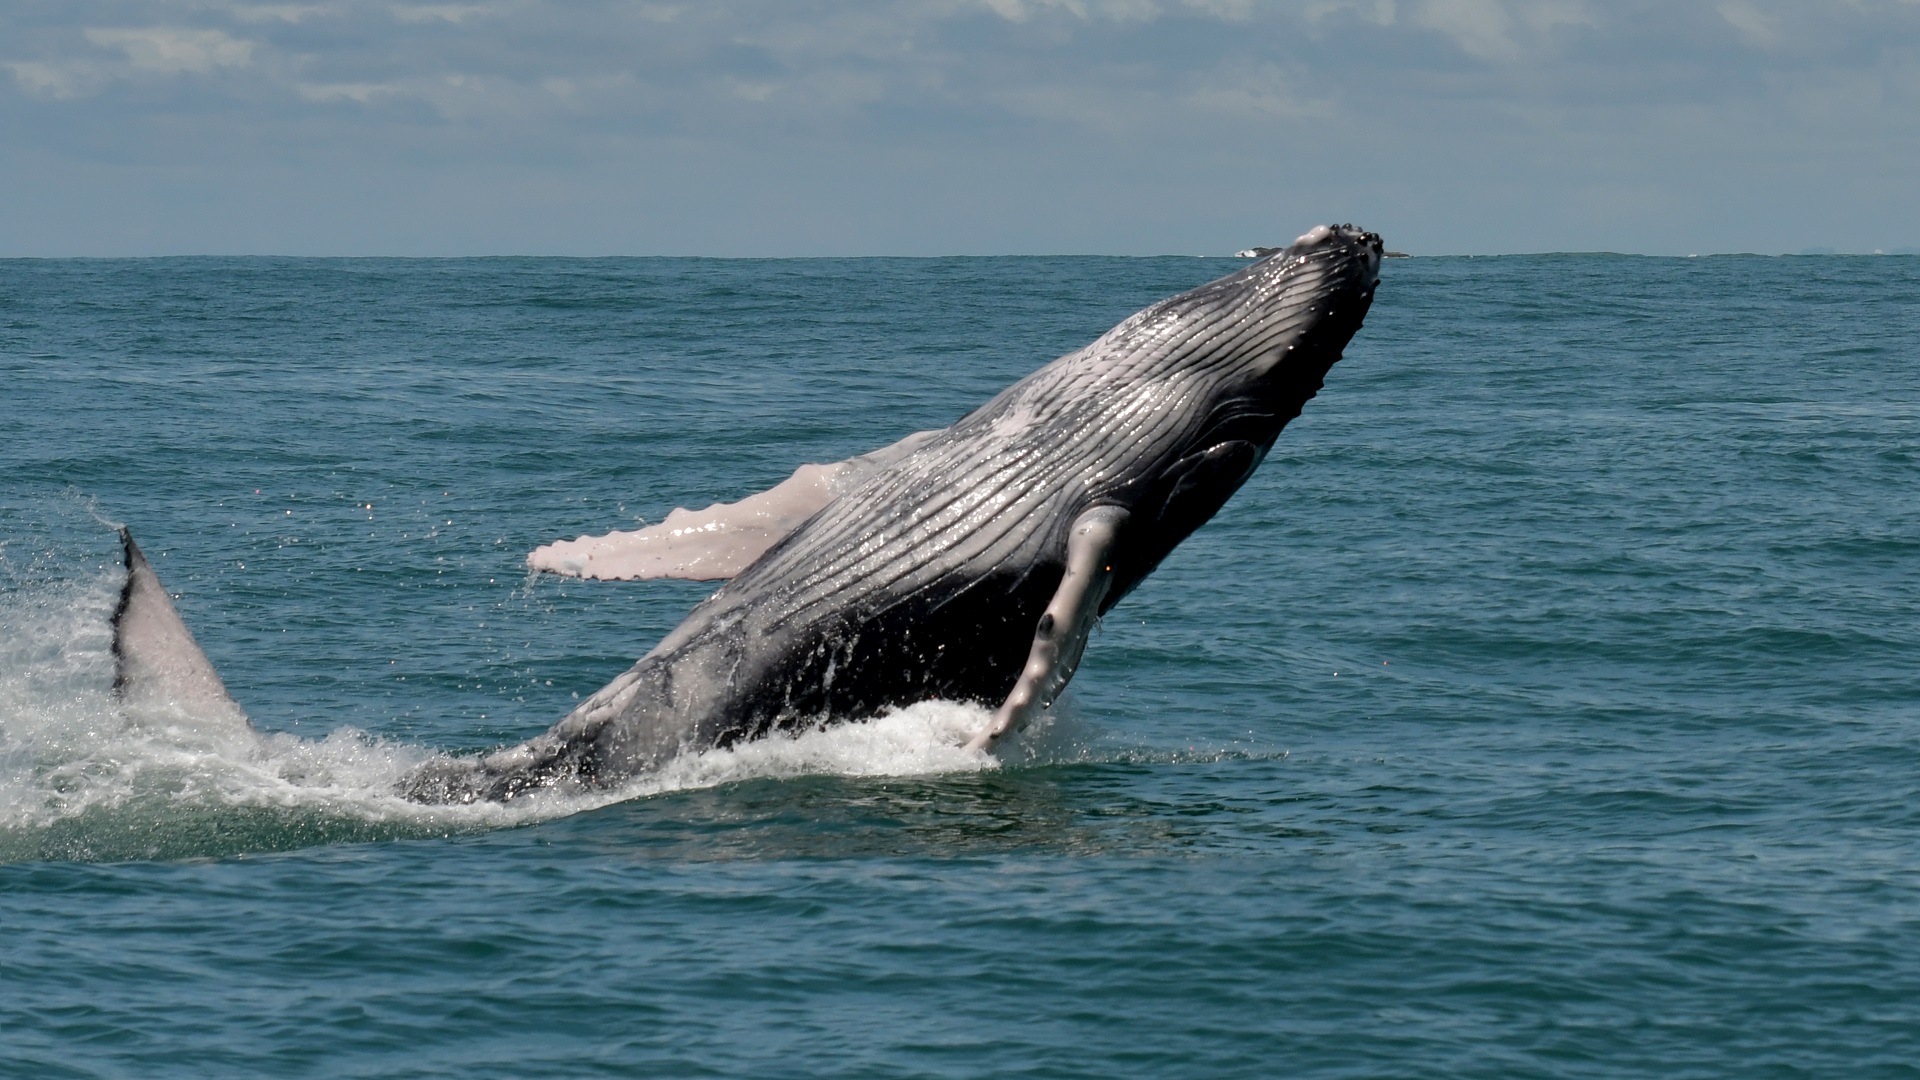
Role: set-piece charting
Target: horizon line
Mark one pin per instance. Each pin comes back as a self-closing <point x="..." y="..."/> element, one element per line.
<point x="1803" y="253"/>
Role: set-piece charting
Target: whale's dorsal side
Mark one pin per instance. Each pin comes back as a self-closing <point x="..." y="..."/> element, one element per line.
<point x="972" y="565"/>
<point x="725" y="538"/>
<point x="964" y="564"/>
<point x="157" y="663"/>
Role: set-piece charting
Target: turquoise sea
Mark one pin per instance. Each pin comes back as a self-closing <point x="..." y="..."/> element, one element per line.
<point x="1548" y="705"/>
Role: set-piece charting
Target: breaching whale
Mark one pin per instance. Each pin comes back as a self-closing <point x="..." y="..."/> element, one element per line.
<point x="967" y="563"/>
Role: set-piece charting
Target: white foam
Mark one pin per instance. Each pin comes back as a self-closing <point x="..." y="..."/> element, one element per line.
<point x="922" y="739"/>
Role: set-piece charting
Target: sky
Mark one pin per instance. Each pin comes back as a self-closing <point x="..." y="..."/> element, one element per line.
<point x="935" y="127"/>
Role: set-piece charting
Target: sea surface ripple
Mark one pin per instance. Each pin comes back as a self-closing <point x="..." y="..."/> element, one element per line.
<point x="1548" y="705"/>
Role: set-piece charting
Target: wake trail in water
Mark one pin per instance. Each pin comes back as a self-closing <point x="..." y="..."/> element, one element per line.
<point x="83" y="777"/>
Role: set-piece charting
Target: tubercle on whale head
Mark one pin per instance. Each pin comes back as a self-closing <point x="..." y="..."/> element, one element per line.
<point x="1352" y="249"/>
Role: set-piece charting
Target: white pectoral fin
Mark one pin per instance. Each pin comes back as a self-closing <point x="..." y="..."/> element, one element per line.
<point x="157" y="662"/>
<point x="1061" y="637"/>
<point x="702" y="545"/>
<point x="723" y="539"/>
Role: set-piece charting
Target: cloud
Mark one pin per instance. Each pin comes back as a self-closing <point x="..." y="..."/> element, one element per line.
<point x="362" y="93"/>
<point x="1225" y="10"/>
<point x="1499" y="31"/>
<point x="447" y="13"/>
<point x="166" y="50"/>
<point x="1265" y="90"/>
<point x="1754" y="25"/>
<point x="56" y="81"/>
<point x="285" y="13"/>
<point x="1134" y="103"/>
<point x="753" y="91"/>
<point x="1116" y="10"/>
<point x="158" y="50"/>
<point x="1378" y="12"/>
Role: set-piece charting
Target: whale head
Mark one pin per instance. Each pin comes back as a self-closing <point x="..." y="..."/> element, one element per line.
<point x="1202" y="383"/>
<point x="1294" y="311"/>
<point x="1269" y="331"/>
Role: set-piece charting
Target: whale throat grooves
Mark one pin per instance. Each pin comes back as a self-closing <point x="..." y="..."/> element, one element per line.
<point x="923" y="570"/>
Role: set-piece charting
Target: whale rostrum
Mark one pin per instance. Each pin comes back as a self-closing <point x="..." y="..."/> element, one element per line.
<point x="967" y="563"/>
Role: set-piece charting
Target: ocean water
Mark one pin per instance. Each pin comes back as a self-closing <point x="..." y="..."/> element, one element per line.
<point x="1547" y="705"/>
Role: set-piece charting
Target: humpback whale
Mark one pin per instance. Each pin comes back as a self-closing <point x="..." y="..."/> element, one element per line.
<point x="966" y="563"/>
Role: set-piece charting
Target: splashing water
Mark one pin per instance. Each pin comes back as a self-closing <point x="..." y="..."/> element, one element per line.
<point x="84" y="778"/>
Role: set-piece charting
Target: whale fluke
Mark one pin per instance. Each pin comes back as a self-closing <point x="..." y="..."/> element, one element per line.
<point x="156" y="660"/>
